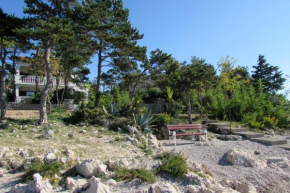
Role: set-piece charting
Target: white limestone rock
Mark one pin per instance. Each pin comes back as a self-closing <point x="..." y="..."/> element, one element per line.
<point x="164" y="187"/>
<point x="69" y="153"/>
<point x="243" y="158"/>
<point x="75" y="183"/>
<point x="114" y="164"/>
<point x="94" y="185"/>
<point x="39" y="186"/>
<point x="50" y="158"/>
<point x="48" y="134"/>
<point x="111" y="182"/>
<point x="3" y="151"/>
<point x="239" y="186"/>
<point x="131" y="129"/>
<point x="89" y="168"/>
<point x="135" y="142"/>
<point x="15" y="164"/>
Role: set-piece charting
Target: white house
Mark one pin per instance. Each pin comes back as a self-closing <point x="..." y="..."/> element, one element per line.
<point x="26" y="83"/>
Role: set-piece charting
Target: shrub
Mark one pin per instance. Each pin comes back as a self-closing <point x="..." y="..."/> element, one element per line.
<point x="174" y="108"/>
<point x="174" y="164"/>
<point x="162" y="119"/>
<point x="91" y="116"/>
<point x="144" y="120"/>
<point x="118" y="138"/>
<point x="77" y="96"/>
<point x="270" y="122"/>
<point x="35" y="99"/>
<point x="45" y="170"/>
<point x="119" y="122"/>
<point x="125" y="174"/>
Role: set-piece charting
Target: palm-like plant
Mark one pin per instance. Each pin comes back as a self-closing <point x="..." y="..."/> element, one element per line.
<point x="144" y="120"/>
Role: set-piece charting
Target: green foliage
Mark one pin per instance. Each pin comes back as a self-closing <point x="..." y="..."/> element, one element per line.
<point x="86" y="115"/>
<point x="76" y="96"/>
<point x="162" y="119"/>
<point x="270" y="76"/>
<point x="125" y="174"/>
<point x="35" y="99"/>
<point x="106" y="100"/>
<point x="143" y="144"/>
<point x="144" y="120"/>
<point x="45" y="170"/>
<point x="118" y="138"/>
<point x="149" y="152"/>
<point x="151" y="95"/>
<point x="120" y="122"/>
<point x="174" y="164"/>
<point x="121" y="103"/>
<point x="174" y="107"/>
<point x="200" y="174"/>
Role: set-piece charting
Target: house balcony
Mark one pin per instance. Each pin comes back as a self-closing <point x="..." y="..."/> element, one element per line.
<point x="30" y="80"/>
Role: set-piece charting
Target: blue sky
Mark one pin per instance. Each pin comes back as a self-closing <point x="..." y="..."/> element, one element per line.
<point x="208" y="29"/>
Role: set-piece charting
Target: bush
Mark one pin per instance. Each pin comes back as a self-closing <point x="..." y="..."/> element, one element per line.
<point x="86" y="115"/>
<point x="162" y="119"/>
<point x="174" y="164"/>
<point x="45" y="170"/>
<point x="118" y="138"/>
<point x="174" y="108"/>
<point x="151" y="95"/>
<point x="77" y="96"/>
<point x="125" y="174"/>
<point x="35" y="99"/>
<point x="120" y="122"/>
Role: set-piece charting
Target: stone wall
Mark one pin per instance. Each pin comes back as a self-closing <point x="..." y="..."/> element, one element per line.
<point x="21" y="106"/>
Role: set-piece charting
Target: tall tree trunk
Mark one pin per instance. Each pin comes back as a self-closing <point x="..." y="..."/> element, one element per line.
<point x="135" y="85"/>
<point x="14" y="72"/>
<point x="3" y="77"/>
<point x="56" y="89"/>
<point x="225" y="106"/>
<point x="64" y="89"/>
<point x="201" y="104"/>
<point x="48" y="85"/>
<point x="189" y="107"/>
<point x="36" y="70"/>
<point x="98" y="93"/>
<point x="36" y="84"/>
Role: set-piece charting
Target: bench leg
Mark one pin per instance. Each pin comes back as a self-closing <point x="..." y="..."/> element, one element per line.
<point x="174" y="137"/>
<point x="169" y="136"/>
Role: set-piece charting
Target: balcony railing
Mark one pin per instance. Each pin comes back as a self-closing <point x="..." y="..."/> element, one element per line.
<point x="31" y="80"/>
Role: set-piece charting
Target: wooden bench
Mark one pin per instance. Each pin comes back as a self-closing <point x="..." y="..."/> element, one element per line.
<point x="173" y="128"/>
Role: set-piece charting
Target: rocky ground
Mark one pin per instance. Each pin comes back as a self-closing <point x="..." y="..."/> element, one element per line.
<point x="217" y="166"/>
<point x="267" y="173"/>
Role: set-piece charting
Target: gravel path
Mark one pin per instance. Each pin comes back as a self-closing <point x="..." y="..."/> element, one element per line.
<point x="268" y="179"/>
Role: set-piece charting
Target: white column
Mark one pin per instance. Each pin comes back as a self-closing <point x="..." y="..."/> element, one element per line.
<point x="17" y="70"/>
<point x="17" y="91"/>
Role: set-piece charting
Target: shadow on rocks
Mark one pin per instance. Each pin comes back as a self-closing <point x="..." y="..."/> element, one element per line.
<point x="224" y="162"/>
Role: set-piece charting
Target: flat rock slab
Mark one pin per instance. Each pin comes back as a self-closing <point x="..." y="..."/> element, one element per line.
<point x="249" y="134"/>
<point x="219" y="124"/>
<point x="235" y="129"/>
<point x="275" y="159"/>
<point x="285" y="146"/>
<point x="216" y="127"/>
<point x="269" y="141"/>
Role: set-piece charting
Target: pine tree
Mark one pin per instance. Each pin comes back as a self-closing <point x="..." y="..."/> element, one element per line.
<point x="272" y="79"/>
<point x="106" y="23"/>
<point x="8" y="39"/>
<point x="50" y="22"/>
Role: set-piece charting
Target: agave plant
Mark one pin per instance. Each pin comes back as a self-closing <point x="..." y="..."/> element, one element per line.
<point x="114" y="110"/>
<point x="144" y="121"/>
